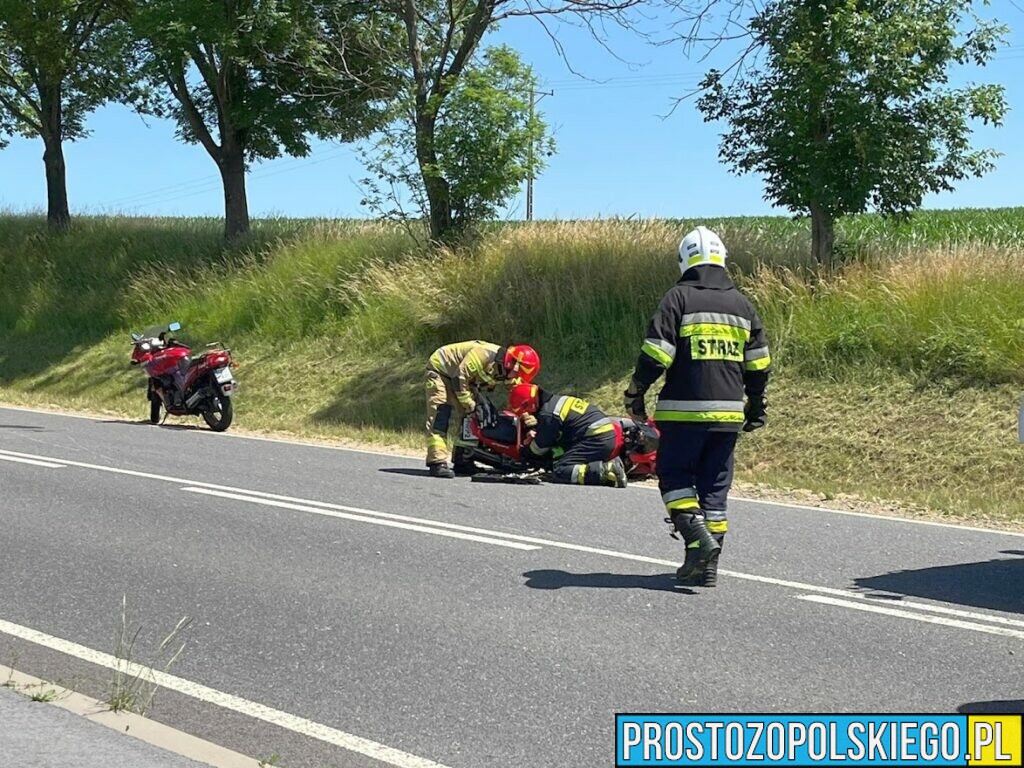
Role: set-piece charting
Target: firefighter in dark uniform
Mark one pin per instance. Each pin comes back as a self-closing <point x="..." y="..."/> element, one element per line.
<point x="590" y="440"/>
<point x="709" y="342"/>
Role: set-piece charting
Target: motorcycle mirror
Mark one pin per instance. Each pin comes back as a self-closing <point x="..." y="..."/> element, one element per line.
<point x="175" y="326"/>
<point x="136" y="336"/>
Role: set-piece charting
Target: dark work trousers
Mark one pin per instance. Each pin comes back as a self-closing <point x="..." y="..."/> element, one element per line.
<point x="695" y="471"/>
<point x="583" y="463"/>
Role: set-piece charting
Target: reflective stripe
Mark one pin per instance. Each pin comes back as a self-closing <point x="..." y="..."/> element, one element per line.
<point x="756" y="353"/>
<point x="436" y="362"/>
<point x="579" y="473"/>
<point x="708" y="417"/>
<point x="718" y="330"/>
<point x="712" y="259"/>
<point x="685" y="493"/>
<point x="714" y="514"/>
<point x="600" y="427"/>
<point x="715" y="318"/>
<point x="659" y="350"/>
<point x="436" y="441"/>
<point x="758" y="365"/>
<point x="560" y="405"/>
<point x="465" y="398"/>
<point x="536" y="450"/>
<point x="682" y="504"/>
<point x="718" y="526"/>
<point x="700" y="405"/>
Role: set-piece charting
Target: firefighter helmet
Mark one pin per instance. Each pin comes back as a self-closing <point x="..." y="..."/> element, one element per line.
<point x="522" y="364"/>
<point x="523" y="399"/>
<point x="701" y="246"/>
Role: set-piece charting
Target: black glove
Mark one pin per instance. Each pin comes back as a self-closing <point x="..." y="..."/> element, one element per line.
<point x="633" y="402"/>
<point x="485" y="412"/>
<point x="754" y="413"/>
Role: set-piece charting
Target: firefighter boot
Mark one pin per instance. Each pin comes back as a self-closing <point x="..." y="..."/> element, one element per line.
<point x="709" y="576"/>
<point x="462" y="464"/>
<point x="701" y="547"/>
<point x="441" y="469"/>
<point x="614" y="473"/>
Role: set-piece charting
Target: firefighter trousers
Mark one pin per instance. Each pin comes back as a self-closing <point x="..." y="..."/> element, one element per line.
<point x="695" y="469"/>
<point x="583" y="463"/>
<point x="444" y="413"/>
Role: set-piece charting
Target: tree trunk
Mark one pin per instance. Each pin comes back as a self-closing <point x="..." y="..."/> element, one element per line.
<point x="58" y="215"/>
<point x="823" y="235"/>
<point x="236" y="203"/>
<point x="439" y="199"/>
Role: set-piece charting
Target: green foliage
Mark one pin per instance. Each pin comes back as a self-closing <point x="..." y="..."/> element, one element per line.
<point x="850" y="108"/>
<point x="487" y="140"/>
<point x="262" y="75"/>
<point x="59" y="61"/>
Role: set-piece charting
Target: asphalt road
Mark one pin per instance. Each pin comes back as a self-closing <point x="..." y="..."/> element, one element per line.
<point x="350" y="611"/>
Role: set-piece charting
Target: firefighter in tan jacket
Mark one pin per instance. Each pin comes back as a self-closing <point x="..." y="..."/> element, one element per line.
<point x="455" y="375"/>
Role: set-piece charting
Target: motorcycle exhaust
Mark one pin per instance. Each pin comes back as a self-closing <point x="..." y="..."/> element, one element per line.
<point x="195" y="399"/>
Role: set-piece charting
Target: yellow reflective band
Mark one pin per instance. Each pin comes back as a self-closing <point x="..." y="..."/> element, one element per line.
<point x="758" y="365"/>
<point x="573" y="404"/>
<point x="712" y="259"/>
<point x="435" y="361"/>
<point x="729" y="417"/>
<point x="718" y="526"/>
<point x="600" y="429"/>
<point x="465" y="398"/>
<point x="581" y="470"/>
<point x="693" y="545"/>
<point x="688" y="503"/>
<point x="660" y="356"/>
<point x="715" y="329"/>
<point x="436" y="441"/>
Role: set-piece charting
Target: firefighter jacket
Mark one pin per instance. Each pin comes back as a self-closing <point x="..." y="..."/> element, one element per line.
<point x="564" y="421"/>
<point x="709" y="342"/>
<point x="469" y="366"/>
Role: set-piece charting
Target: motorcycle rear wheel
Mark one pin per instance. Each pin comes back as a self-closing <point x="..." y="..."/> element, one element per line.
<point x="219" y="416"/>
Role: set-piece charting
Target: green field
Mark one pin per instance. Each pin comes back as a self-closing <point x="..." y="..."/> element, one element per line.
<point x="898" y="375"/>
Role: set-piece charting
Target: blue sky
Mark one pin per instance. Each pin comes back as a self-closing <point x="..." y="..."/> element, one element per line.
<point x="617" y="152"/>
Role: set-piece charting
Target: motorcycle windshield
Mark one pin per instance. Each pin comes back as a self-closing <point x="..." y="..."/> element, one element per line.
<point x="154" y="331"/>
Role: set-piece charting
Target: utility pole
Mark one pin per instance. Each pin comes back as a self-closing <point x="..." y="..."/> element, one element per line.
<point x="529" y="179"/>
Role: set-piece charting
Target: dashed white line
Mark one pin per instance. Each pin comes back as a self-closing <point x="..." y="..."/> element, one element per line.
<point x="294" y="723"/>
<point x="361" y="518"/>
<point x="33" y="462"/>
<point x="861" y="605"/>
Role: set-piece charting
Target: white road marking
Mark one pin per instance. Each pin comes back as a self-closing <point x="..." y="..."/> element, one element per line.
<point x="385" y="454"/>
<point x="886" y="611"/>
<point x="359" y="518"/>
<point x="317" y="507"/>
<point x="33" y="462"/>
<point x="300" y="725"/>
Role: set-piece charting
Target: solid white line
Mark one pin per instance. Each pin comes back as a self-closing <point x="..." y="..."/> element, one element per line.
<point x="33" y="462"/>
<point x="316" y="506"/>
<point x="885" y="611"/>
<point x="359" y="518"/>
<point x="300" y="725"/>
<point x="742" y="499"/>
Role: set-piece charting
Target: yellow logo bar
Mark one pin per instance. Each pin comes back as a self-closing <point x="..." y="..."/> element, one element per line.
<point x="995" y="740"/>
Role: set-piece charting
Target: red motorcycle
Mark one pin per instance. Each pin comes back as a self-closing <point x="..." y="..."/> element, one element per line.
<point x="500" y="446"/>
<point x="184" y="385"/>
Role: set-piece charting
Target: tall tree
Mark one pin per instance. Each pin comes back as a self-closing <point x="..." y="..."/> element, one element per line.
<point x="488" y="140"/>
<point x="440" y="40"/>
<point x="851" y="107"/>
<point x="251" y="79"/>
<point x="59" y="61"/>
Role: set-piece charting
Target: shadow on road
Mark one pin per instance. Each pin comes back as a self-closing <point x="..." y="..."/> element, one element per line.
<point x="994" y="584"/>
<point x="552" y="579"/>
<point x="148" y="423"/>
<point x="1015" y="707"/>
<point x="30" y="428"/>
<point x="422" y="472"/>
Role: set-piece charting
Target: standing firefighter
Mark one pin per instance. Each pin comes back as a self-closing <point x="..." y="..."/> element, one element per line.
<point x="590" y="440"/>
<point x="455" y="375"/>
<point x="709" y="342"/>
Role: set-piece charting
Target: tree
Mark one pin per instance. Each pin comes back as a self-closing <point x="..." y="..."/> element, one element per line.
<point x="59" y="61"/>
<point x="487" y="140"/>
<point x="250" y="79"/>
<point x="851" y="108"/>
<point x="441" y="39"/>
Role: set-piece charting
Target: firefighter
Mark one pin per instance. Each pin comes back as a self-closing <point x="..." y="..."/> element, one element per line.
<point x="456" y="374"/>
<point x="709" y="342"/>
<point x="590" y="440"/>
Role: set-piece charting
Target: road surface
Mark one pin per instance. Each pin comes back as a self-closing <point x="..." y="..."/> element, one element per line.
<point x="350" y="611"/>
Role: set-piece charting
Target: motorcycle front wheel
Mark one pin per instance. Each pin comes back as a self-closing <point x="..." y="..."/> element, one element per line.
<point x="154" y="409"/>
<point x="220" y="413"/>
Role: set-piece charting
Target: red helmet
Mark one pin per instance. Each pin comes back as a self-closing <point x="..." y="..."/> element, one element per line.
<point x="524" y="398"/>
<point x="522" y="364"/>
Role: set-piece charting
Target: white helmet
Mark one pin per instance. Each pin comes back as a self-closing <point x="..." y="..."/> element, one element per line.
<point x="701" y="246"/>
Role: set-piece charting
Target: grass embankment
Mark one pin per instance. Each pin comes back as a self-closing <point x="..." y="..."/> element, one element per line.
<point x="898" y="376"/>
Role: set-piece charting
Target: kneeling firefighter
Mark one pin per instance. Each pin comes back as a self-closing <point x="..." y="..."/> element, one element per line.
<point x="456" y="374"/>
<point x="591" y="441"/>
<point x="709" y="342"/>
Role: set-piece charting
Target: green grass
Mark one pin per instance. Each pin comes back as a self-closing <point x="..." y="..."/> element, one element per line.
<point x="898" y="375"/>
